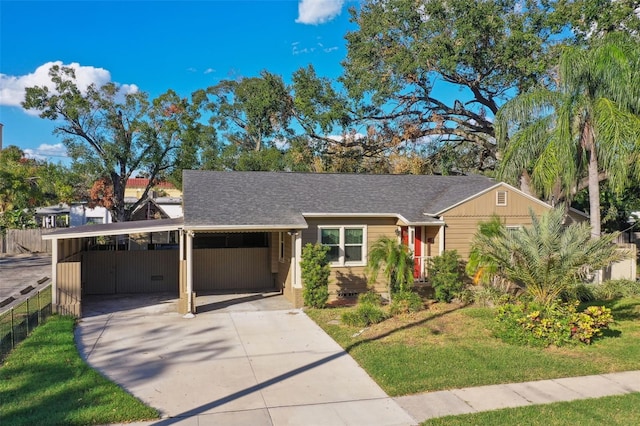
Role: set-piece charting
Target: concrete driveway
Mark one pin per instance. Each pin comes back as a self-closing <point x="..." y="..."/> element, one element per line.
<point x="252" y="360"/>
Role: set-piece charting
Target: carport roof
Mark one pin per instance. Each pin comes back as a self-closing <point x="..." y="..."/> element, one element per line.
<point x="280" y="199"/>
<point x="119" y="228"/>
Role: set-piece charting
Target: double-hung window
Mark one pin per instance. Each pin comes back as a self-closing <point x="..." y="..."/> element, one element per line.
<point x="347" y="244"/>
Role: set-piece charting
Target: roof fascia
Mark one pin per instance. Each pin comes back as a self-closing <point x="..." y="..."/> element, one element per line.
<point x="368" y="215"/>
<point x="231" y="228"/>
<point x="491" y="188"/>
<point x="89" y="233"/>
<point x="579" y="212"/>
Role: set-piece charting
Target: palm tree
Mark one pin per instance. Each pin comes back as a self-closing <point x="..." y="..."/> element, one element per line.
<point x="396" y="262"/>
<point x="483" y="269"/>
<point x="589" y="125"/>
<point x="548" y="258"/>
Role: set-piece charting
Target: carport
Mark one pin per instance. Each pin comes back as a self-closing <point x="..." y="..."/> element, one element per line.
<point x="161" y="256"/>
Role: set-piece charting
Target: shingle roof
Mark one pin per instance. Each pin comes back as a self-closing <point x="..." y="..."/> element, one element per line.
<point x="280" y="199"/>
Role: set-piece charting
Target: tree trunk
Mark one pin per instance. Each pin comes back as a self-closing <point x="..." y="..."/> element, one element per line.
<point x="525" y="183"/>
<point x="594" y="182"/>
<point x="118" y="211"/>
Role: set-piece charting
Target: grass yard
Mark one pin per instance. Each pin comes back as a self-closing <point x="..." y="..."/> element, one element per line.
<point x="620" y="410"/>
<point x="45" y="382"/>
<point x="448" y="347"/>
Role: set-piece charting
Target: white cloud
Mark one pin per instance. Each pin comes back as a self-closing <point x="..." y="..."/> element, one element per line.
<point x="297" y="49"/>
<point x="351" y="136"/>
<point x="46" y="152"/>
<point x="209" y="70"/>
<point x="12" y="88"/>
<point x="318" y="11"/>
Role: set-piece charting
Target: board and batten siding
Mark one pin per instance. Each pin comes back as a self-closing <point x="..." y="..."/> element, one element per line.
<point x="352" y="279"/>
<point x="68" y="288"/>
<point x="232" y="269"/>
<point x="462" y="221"/>
<point x="138" y="271"/>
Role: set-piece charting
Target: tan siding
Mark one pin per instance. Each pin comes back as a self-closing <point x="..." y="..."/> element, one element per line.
<point x="99" y="272"/>
<point x="351" y="279"/>
<point x="274" y="254"/>
<point x="232" y="269"/>
<point x="462" y="221"/>
<point x="145" y="271"/>
<point x="432" y="249"/>
<point x="68" y="288"/>
<point x="485" y="205"/>
<point x="138" y="271"/>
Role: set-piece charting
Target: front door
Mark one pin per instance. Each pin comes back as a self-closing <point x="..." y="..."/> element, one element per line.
<point x="412" y="238"/>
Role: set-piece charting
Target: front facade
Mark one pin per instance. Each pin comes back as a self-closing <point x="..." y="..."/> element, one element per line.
<point x="244" y="231"/>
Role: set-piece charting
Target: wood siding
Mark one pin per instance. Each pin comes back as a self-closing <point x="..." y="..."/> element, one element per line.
<point x="16" y="241"/>
<point x="232" y="269"/>
<point x="114" y="272"/>
<point x="347" y="281"/>
<point x="462" y="221"/>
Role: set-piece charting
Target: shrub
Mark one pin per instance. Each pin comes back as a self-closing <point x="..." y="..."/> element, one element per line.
<point x="370" y="297"/>
<point x="485" y="295"/>
<point x="405" y="302"/>
<point x="446" y="275"/>
<point x="315" y="275"/>
<point x="613" y="289"/>
<point x="557" y="324"/>
<point x="364" y="314"/>
<point x="581" y="292"/>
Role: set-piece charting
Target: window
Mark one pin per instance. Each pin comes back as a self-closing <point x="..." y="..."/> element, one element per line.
<point x="513" y="228"/>
<point x="281" y="246"/>
<point x="501" y="198"/>
<point x="346" y="244"/>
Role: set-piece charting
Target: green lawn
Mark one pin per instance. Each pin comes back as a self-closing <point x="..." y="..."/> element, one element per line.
<point x="448" y="347"/>
<point x="45" y="382"/>
<point x="621" y="410"/>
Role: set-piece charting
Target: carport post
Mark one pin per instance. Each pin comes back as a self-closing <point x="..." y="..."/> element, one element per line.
<point x="54" y="273"/>
<point x="189" y="313"/>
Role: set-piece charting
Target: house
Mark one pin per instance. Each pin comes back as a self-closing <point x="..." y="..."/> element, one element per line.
<point x="55" y="216"/>
<point x="136" y="186"/>
<point x="244" y="231"/>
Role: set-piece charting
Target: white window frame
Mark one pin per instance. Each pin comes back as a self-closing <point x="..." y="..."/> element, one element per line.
<point x="341" y="245"/>
<point x="513" y="228"/>
<point x="498" y="203"/>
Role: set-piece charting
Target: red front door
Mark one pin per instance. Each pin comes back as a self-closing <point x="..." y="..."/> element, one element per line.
<point x="417" y="253"/>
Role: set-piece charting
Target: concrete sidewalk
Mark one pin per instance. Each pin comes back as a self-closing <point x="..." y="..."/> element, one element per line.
<point x="454" y="402"/>
<point x="486" y="398"/>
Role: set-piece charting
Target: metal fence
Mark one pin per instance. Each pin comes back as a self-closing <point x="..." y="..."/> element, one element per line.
<point x="20" y="320"/>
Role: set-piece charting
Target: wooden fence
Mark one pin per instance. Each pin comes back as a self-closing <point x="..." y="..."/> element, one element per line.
<point x="16" y="241"/>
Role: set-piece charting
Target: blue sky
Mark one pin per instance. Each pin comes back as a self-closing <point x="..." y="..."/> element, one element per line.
<point x="156" y="46"/>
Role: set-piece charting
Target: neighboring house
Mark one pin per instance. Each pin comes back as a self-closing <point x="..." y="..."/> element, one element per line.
<point x="136" y="186"/>
<point x="244" y="231"/>
<point x="157" y="208"/>
<point x="56" y="216"/>
<point x="81" y="215"/>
